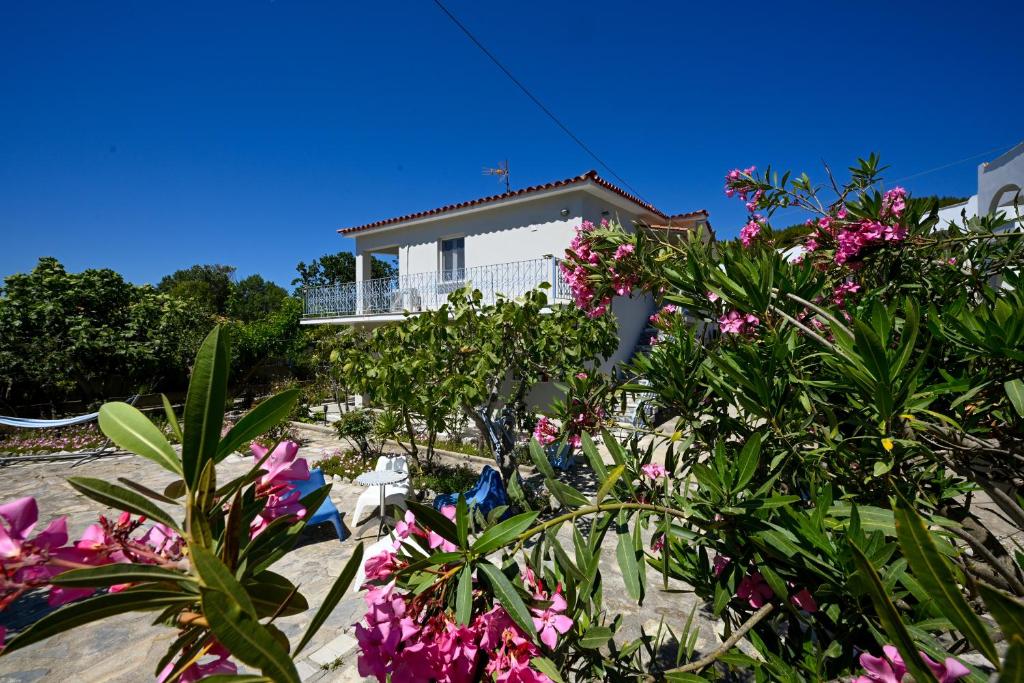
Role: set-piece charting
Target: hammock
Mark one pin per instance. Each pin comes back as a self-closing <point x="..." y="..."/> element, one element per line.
<point x="81" y="456"/>
<point x="29" y="423"/>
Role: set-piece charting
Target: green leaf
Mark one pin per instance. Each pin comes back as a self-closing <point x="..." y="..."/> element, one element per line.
<point x="258" y="421"/>
<point x="678" y="677"/>
<point x="113" y="574"/>
<point x="509" y="598"/>
<point x="121" y="498"/>
<point x="748" y="461"/>
<point x="1006" y="610"/>
<point x="540" y="459"/>
<point x="935" y="576"/>
<point x="344" y="580"/>
<point x="566" y="494"/>
<point x="126" y="426"/>
<point x="1015" y="392"/>
<point x="434" y="521"/>
<point x="247" y="639"/>
<point x="273" y="594"/>
<point x="609" y="483"/>
<point x="462" y="521"/>
<point x="148" y="492"/>
<point x="204" y="405"/>
<point x="172" y="418"/>
<point x="890" y="618"/>
<point x="93" y="609"/>
<point x="626" y="555"/>
<point x="547" y="667"/>
<point x="214" y="574"/>
<point x="1013" y="665"/>
<point x="595" y="637"/>
<point x="464" y="596"/>
<point x="503" y="532"/>
<point x="596" y="463"/>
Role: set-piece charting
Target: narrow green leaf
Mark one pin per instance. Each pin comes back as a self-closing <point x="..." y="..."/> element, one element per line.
<point x="172" y="418"/>
<point x="93" y="609"/>
<point x="121" y="498"/>
<point x="509" y="598"/>
<point x="464" y="596"/>
<point x="204" y="405"/>
<point x="258" y="421"/>
<point x="596" y="463"/>
<point x="113" y="574"/>
<point x="273" y="594"/>
<point x="247" y="639"/>
<point x="547" y="667"/>
<point x="214" y="574"/>
<point x="566" y="494"/>
<point x="595" y="637"/>
<point x="126" y="426"/>
<point x="503" y="532"/>
<point x="344" y="580"/>
<point x="434" y="521"/>
<point x="748" y="461"/>
<point x="609" y="483"/>
<point x="935" y="576"/>
<point x="1015" y="392"/>
<point x="1013" y="665"/>
<point x="1006" y="610"/>
<point x="540" y="459"/>
<point x="626" y="555"/>
<point x="462" y="521"/>
<point x="890" y="618"/>
<point x="148" y="492"/>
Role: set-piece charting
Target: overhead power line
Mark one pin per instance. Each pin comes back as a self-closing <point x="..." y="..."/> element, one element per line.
<point x="558" y="122"/>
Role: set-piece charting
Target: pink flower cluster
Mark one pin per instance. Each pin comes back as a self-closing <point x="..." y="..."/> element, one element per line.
<point x="662" y="316"/>
<point x="28" y="562"/>
<point x="750" y="231"/>
<point x="403" y="639"/>
<point x="735" y="322"/>
<point x="756" y="592"/>
<point x="282" y="497"/>
<point x="852" y="238"/>
<point x="844" y="290"/>
<point x="653" y="470"/>
<point x="574" y="271"/>
<point x="545" y="432"/>
<point x="737" y="182"/>
<point x="890" y="668"/>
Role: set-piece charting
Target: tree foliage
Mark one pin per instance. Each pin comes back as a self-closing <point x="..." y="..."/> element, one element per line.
<point x="91" y="335"/>
<point x="208" y="286"/>
<point x="335" y="269"/>
<point x="253" y="298"/>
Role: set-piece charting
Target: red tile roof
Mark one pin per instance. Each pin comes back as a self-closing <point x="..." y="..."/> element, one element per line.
<point x="589" y="175"/>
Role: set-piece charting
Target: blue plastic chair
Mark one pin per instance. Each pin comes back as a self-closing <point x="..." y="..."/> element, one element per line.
<point x="560" y="456"/>
<point x="327" y="512"/>
<point x="487" y="493"/>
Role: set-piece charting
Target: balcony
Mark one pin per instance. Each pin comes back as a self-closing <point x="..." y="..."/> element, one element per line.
<point x="382" y="298"/>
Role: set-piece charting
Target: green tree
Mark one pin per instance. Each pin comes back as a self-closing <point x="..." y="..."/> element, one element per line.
<point x="335" y="269"/>
<point x="253" y="298"/>
<point x="91" y="335"/>
<point x="207" y="285"/>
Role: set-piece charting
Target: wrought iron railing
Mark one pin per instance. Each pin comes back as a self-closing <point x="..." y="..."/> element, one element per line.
<point x="427" y="291"/>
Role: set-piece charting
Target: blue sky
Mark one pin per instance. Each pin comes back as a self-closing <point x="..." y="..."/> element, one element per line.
<point x="148" y="136"/>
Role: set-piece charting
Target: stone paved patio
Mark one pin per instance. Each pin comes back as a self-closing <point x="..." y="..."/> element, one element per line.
<point x="126" y="649"/>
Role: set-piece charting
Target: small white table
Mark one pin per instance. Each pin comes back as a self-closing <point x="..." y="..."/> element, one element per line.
<point x="381" y="479"/>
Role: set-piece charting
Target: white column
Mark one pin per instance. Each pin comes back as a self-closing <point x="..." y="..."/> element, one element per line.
<point x="364" y="264"/>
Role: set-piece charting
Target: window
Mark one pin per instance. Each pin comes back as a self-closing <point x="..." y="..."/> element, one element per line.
<point x="453" y="258"/>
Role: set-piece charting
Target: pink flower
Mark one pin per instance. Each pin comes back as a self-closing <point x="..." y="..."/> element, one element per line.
<point x="750" y="231"/>
<point x="894" y="201"/>
<point x="755" y="590"/>
<point x="545" y="432"/>
<point x="581" y="375"/>
<point x="550" y="622"/>
<point x="20" y="517"/>
<point x="658" y="543"/>
<point x="803" y="599"/>
<point x="735" y="322"/>
<point x="712" y="297"/>
<point x="891" y="668"/>
<point x="623" y="251"/>
<point x="720" y="564"/>
<point x="842" y="291"/>
<point x="282" y="498"/>
<point x="221" y="664"/>
<point x="654" y="471"/>
<point x="380" y="566"/>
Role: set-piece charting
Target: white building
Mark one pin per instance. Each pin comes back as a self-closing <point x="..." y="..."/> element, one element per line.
<point x="1000" y="181"/>
<point x="505" y="244"/>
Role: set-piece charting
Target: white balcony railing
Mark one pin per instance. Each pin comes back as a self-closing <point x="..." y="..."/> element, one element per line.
<point x="427" y="291"/>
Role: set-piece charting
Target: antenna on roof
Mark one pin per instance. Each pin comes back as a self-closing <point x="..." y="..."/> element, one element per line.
<point x="502" y="172"/>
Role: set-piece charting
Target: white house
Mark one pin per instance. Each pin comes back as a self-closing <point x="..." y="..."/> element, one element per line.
<point x="505" y="244"/>
<point x="999" y="183"/>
